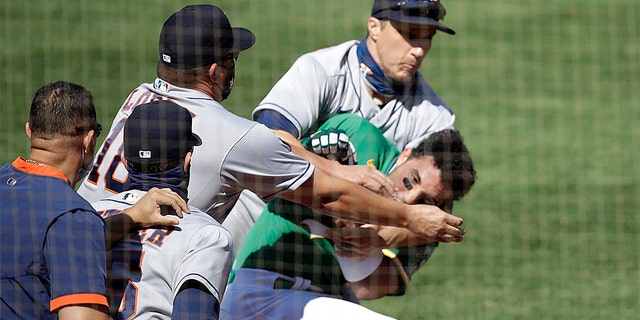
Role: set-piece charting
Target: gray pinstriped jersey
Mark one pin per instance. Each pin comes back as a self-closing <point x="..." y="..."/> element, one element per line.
<point x="235" y="154"/>
<point x="326" y="82"/>
<point x="198" y="249"/>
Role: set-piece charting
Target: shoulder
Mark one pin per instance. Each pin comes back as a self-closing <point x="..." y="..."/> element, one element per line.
<point x="203" y="227"/>
<point x="425" y="94"/>
<point x="214" y="120"/>
<point x="118" y="201"/>
<point x="329" y="57"/>
<point x="333" y="52"/>
<point x="199" y="218"/>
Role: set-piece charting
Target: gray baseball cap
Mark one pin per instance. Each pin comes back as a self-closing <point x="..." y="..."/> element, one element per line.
<point x="423" y="12"/>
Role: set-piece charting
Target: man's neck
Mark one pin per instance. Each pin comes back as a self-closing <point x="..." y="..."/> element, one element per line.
<point x="378" y="98"/>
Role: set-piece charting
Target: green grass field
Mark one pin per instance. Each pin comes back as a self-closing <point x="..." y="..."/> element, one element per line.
<point x="546" y="94"/>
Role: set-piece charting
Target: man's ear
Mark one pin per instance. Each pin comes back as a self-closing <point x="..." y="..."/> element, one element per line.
<point x="27" y="129"/>
<point x="404" y="156"/>
<point x="212" y="73"/>
<point x="88" y="142"/>
<point x="187" y="161"/>
<point x="373" y="27"/>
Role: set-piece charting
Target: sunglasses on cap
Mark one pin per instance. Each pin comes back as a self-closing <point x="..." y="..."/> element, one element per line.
<point x="421" y="8"/>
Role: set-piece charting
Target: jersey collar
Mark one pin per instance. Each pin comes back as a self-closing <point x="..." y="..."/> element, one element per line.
<point x="38" y="169"/>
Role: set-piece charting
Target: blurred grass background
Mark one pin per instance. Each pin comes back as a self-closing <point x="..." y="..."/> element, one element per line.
<point x="546" y="94"/>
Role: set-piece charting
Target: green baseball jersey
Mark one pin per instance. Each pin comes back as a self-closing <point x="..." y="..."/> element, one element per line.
<point x="281" y="242"/>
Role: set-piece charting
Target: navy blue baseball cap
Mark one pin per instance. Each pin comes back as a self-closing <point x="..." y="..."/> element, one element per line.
<point x="158" y="132"/>
<point x="423" y="12"/>
<point x="198" y="35"/>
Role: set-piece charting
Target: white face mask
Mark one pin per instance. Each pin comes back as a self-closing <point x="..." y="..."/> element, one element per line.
<point x="84" y="171"/>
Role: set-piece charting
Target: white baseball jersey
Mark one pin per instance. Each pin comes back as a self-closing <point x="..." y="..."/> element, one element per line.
<point x="326" y="82"/>
<point x="235" y="154"/>
<point x="154" y="263"/>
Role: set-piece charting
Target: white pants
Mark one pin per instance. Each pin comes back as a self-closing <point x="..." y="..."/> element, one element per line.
<point x="251" y="296"/>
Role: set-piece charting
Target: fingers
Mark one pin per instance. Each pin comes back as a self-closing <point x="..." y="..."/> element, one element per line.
<point x="434" y="224"/>
<point x="167" y="221"/>
<point x="453" y="220"/>
<point x="149" y="210"/>
<point x="169" y="198"/>
<point x="387" y="187"/>
<point x="451" y="234"/>
<point x="371" y="179"/>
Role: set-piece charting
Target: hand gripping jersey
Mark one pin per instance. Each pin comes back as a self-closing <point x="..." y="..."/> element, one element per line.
<point x="52" y="244"/>
<point x="327" y="82"/>
<point x="148" y="268"/>
<point x="235" y="154"/>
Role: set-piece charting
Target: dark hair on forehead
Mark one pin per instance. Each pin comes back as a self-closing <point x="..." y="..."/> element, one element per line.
<point x="452" y="157"/>
<point x="60" y="107"/>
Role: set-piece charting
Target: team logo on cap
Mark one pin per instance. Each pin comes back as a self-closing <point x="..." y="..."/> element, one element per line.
<point x="166" y="58"/>
<point x="144" y="154"/>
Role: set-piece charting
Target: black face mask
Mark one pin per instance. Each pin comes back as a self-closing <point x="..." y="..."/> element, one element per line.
<point x="175" y="179"/>
<point x="231" y="74"/>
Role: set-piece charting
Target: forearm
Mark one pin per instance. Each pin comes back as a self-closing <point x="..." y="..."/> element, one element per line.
<point x="346" y="200"/>
<point x="116" y="227"/>
<point x="382" y="282"/>
<point x="80" y="312"/>
<point x="319" y="162"/>
<point x="396" y="237"/>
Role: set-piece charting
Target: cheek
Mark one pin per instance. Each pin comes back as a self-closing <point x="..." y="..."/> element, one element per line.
<point x="391" y="51"/>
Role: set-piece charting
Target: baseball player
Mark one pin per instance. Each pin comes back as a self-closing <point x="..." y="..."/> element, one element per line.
<point x="289" y="261"/>
<point x="52" y="254"/>
<point x="195" y="71"/>
<point x="178" y="273"/>
<point x="376" y="78"/>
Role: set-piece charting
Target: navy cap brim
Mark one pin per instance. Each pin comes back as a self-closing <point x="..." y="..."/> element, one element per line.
<point x="195" y="140"/>
<point x="243" y="39"/>
<point x="399" y="16"/>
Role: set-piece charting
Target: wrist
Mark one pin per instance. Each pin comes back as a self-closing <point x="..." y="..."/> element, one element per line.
<point x="129" y="219"/>
<point x="409" y="217"/>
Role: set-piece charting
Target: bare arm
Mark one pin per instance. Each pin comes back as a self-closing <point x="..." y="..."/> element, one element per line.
<point x="399" y="237"/>
<point x="382" y="282"/>
<point x="365" y="176"/>
<point x="81" y="312"/>
<point x="346" y="200"/>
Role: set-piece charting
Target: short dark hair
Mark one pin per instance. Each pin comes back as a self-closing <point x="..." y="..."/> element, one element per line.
<point x="185" y="78"/>
<point x="453" y="159"/>
<point x="154" y="168"/>
<point x="61" y="108"/>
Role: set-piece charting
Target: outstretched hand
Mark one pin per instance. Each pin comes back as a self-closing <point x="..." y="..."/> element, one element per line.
<point x="147" y="211"/>
<point x="434" y="224"/>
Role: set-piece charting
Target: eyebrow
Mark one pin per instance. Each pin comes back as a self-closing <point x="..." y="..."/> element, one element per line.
<point x="415" y="174"/>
